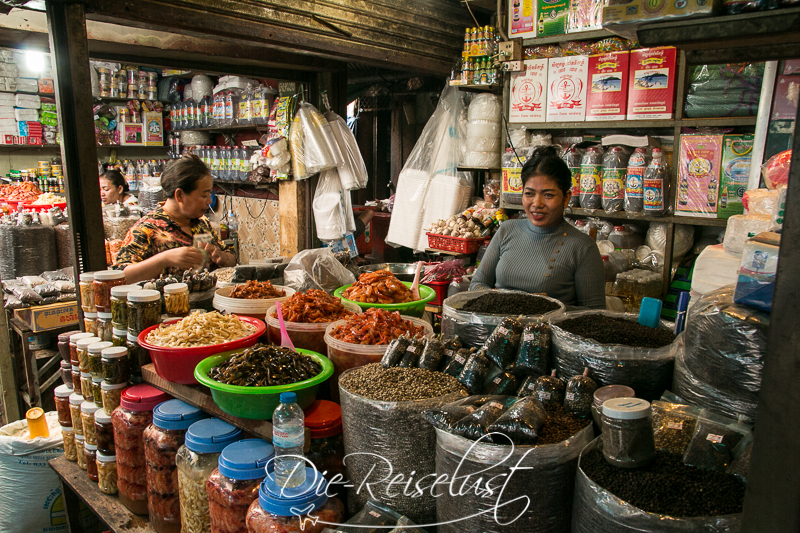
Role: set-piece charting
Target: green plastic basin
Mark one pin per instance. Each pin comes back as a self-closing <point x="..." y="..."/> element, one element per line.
<point x="416" y="309"/>
<point x="258" y="403"/>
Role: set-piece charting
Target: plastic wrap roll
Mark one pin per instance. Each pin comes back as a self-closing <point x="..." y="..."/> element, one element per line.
<point x="482" y="159"/>
<point x="150" y="197"/>
<point x="63" y="245"/>
<point x="398" y="433"/>
<point x="483" y="128"/>
<point x="539" y="488"/>
<point x="483" y="144"/>
<point x="485" y="107"/>
<point x="474" y="328"/>
<point x="194" y="138"/>
<point x="597" y="509"/>
<point x="26" y="250"/>
<point x="657" y="238"/>
<point x="739" y="229"/>
<point x="648" y="371"/>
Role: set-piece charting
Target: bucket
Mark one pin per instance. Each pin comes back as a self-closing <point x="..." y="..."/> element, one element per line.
<point x="244" y="307"/>
<point x="309" y="336"/>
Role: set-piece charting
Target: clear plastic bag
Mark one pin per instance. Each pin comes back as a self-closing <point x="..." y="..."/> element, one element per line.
<point x="63" y="274"/>
<point x="432" y="355"/>
<point x="502" y="384"/>
<point x="319" y="150"/>
<point x="713" y="444"/>
<point x="776" y="170"/>
<point x="352" y="171"/>
<point x="485" y="107"/>
<point x="534" y="350"/>
<point x="317" y="268"/>
<point x="520" y="424"/>
<point x="674" y="425"/>
<point x="476" y="425"/>
<point x="329" y="207"/>
<point x="474" y="372"/>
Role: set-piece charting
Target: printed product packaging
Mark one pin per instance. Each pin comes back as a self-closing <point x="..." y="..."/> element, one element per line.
<point x="566" y="95"/>
<point x="551" y="17"/>
<point x="735" y="171"/>
<point x="698" y="175"/>
<point x="607" y="94"/>
<point x="651" y="83"/>
<point x="522" y="18"/>
<point x="528" y="92"/>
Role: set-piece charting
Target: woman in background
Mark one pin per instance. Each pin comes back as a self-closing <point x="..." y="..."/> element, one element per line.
<point x="114" y="188"/>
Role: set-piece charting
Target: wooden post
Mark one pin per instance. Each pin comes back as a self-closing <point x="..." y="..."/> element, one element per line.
<point x="293" y="213"/>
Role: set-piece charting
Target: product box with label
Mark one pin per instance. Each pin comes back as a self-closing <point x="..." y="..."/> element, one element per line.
<point x="585" y="15"/>
<point x="131" y="133"/>
<point x="566" y="93"/>
<point x="47" y="317"/>
<point x="651" y="83"/>
<point x="734" y="173"/>
<point x="698" y="175"/>
<point x="628" y="11"/>
<point x="607" y="94"/>
<point x="529" y="92"/>
<point x="551" y="17"/>
<point x="521" y="18"/>
<point x="154" y="128"/>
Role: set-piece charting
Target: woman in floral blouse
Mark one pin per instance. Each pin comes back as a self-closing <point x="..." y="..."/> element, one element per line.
<point x="162" y="241"/>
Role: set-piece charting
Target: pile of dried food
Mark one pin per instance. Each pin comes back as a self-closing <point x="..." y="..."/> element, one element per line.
<point x="202" y="329"/>
<point x="257" y="290"/>
<point x="19" y="192"/>
<point x="375" y="382"/>
<point x="196" y="281"/>
<point x="264" y="366"/>
<point x="313" y="307"/>
<point x="614" y="330"/>
<point x="509" y="303"/>
<point x="380" y="287"/>
<point x="375" y="326"/>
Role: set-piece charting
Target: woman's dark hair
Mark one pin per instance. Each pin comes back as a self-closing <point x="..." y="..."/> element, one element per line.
<point x="183" y="174"/>
<point x="117" y="179"/>
<point x="546" y="161"/>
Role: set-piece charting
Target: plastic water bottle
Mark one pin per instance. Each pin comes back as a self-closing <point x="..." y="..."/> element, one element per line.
<point x="288" y="438"/>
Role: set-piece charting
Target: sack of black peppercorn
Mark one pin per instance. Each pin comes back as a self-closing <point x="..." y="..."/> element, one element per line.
<point x="674" y="425"/>
<point x="547" y="389"/>
<point x="432" y="354"/>
<point x="502" y="383"/>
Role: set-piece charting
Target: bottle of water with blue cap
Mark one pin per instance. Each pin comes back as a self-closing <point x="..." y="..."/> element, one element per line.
<point x="288" y="438"/>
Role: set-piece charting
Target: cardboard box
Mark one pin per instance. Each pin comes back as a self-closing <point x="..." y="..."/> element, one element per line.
<point x="566" y="95"/>
<point x="154" y="128"/>
<point x="626" y="12"/>
<point x="528" y="99"/>
<point x="585" y="15"/>
<point x="131" y="134"/>
<point x="521" y="18"/>
<point x="651" y="83"/>
<point x="607" y="94"/>
<point x="737" y="151"/>
<point x="47" y="317"/>
<point x="698" y="175"/>
<point x="551" y="17"/>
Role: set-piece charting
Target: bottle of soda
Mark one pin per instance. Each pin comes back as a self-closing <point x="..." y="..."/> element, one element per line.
<point x="591" y="178"/>
<point x="288" y="438"/>
<point x="215" y="162"/>
<point x="614" y="169"/>
<point x="572" y="157"/>
<point x="634" y="181"/>
<point x="654" y="177"/>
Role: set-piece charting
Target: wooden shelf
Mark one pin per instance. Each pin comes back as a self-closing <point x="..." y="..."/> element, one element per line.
<point x="582" y="36"/>
<point x="602" y="125"/>
<point x="478" y="169"/>
<point x="129" y="147"/>
<point x="257" y="127"/>
<point x="200" y="397"/>
<point x="621" y="215"/>
<point x="76" y="484"/>
<point x="496" y="88"/>
<point x="721" y="122"/>
<point x="13" y="147"/>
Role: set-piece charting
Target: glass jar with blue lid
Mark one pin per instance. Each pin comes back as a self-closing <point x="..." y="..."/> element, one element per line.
<point x="162" y="439"/>
<point x="276" y="507"/>
<point x="233" y="486"/>
<point x="196" y="459"/>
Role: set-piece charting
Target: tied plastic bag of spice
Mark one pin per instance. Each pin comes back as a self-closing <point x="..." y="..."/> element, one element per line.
<point x="412" y="353"/>
<point x="521" y="423"/>
<point x="547" y="389"/>
<point x="395" y="351"/>
<point x="474" y="372"/>
<point x="476" y="425"/>
<point x="456" y="363"/>
<point x="432" y="354"/>
<point x="580" y="395"/>
<point x="713" y="443"/>
<point x="741" y="465"/>
<point x="503" y="383"/>
<point x="501" y="346"/>
<point x="673" y="426"/>
<point x="446" y="416"/>
<point x="534" y="351"/>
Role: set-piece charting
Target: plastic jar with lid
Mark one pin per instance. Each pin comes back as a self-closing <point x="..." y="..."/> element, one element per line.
<point x="63" y="344"/>
<point x="176" y="299"/>
<point x="106" y="472"/>
<point x="93" y="358"/>
<point x="273" y="510"/>
<point x="233" y="486"/>
<point x="119" y="305"/>
<point x="76" y="378"/>
<point x="86" y="386"/>
<point x="66" y="373"/>
<point x="326" y="450"/>
<point x="68" y="437"/>
<point x="628" y="440"/>
<point x="196" y="459"/>
<point x="137" y="356"/>
<point x="90" y="458"/>
<point x="103" y="281"/>
<point x="111" y="395"/>
<point x="119" y="336"/>
<point x="73" y="346"/>
<point x="607" y="393"/>
<point x="115" y="365"/>
<point x="104" y="431"/>
<point x="82" y="348"/>
<point x="144" y="310"/>
<point x="130" y="419"/>
<point x="90" y="323"/>
<point x="86" y="288"/>
<point x="88" y="409"/>
<point x="97" y="391"/>
<point x="162" y="439"/>
<point x="104" y="327"/>
<point x="80" y="458"/>
<point x="62" y="394"/>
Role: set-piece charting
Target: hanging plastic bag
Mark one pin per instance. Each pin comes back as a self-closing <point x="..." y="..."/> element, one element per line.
<point x="319" y="148"/>
<point x="353" y="171"/>
<point x="329" y="207"/>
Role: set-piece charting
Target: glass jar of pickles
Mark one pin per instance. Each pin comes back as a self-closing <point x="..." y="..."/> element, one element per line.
<point x="62" y="394"/>
<point x="111" y="393"/>
<point x="137" y="356"/>
<point x="76" y="378"/>
<point x="90" y="458"/>
<point x="86" y="288"/>
<point x="97" y="395"/>
<point x="94" y="358"/>
<point x="68" y="436"/>
<point x="144" y="310"/>
<point x="80" y="458"/>
<point x="82" y="347"/>
<point x="103" y="281"/>
<point x="176" y="299"/>
<point x="104" y="430"/>
<point x="73" y="346"/>
<point x="88" y="409"/>
<point x="106" y="472"/>
<point x="119" y="336"/>
<point x="104" y="326"/>
<point x="90" y="323"/>
<point x="75" y="402"/>
<point x="86" y="386"/>
<point x="116" y="366"/>
<point x="119" y="305"/>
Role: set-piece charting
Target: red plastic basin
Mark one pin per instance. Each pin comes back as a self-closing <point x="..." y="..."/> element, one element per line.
<point x="177" y="364"/>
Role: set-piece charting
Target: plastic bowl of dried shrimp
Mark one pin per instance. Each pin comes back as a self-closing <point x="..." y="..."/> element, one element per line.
<point x="177" y="348"/>
<point x="250" y="306"/>
<point x="373" y="286"/>
<point x="251" y="366"/>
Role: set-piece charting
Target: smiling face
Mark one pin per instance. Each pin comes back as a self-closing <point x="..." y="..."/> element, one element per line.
<point x="543" y="201"/>
<point x="194" y="204"/>
<point x="109" y="193"/>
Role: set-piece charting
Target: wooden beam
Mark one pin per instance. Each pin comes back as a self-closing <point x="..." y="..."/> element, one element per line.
<point x="8" y="383"/>
<point x="292" y="210"/>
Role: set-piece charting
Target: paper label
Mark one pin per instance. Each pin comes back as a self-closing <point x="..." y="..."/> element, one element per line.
<point x="531" y="386"/>
<point x="502" y="331"/>
<point x="496" y="405"/>
<point x="651" y="83"/>
<point x="607" y="93"/>
<point x="460" y="359"/>
<point x="412" y="349"/>
<point x="448" y="353"/>
<point x="570" y="396"/>
<point x="522" y="18"/>
<point x="566" y="95"/>
<point x="698" y="175"/>
<point x="497" y="380"/>
<point x="675" y="425"/>
<point x="544" y="395"/>
<point x="716" y="439"/>
<point x="528" y="337"/>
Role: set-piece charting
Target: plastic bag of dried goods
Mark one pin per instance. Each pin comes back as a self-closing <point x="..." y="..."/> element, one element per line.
<point x="521" y="423"/>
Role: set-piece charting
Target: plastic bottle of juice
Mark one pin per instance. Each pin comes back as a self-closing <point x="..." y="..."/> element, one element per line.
<point x="614" y="170"/>
<point x="591" y="178"/>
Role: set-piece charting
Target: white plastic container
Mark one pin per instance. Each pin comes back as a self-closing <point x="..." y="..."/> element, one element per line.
<point x="309" y="336"/>
<point x="244" y="307"/>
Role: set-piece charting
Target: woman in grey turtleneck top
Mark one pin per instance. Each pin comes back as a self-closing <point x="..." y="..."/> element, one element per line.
<point x="543" y="253"/>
